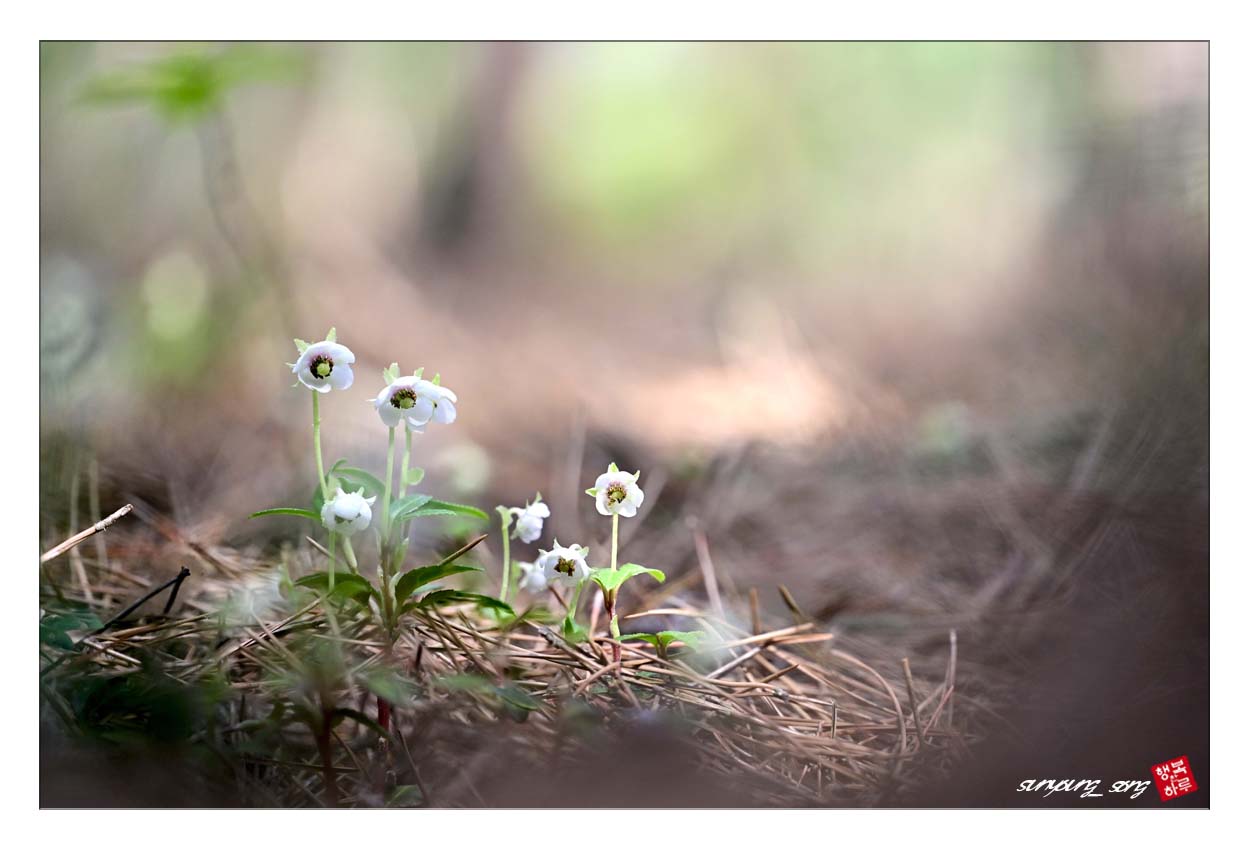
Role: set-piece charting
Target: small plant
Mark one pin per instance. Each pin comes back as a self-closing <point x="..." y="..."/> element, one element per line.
<point x="346" y="496"/>
<point x="529" y="527"/>
<point x="663" y="640"/>
<point x="617" y="494"/>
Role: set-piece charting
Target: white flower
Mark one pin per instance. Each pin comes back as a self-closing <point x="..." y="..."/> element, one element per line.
<point x="324" y="366"/>
<point x="398" y="403"/>
<point x="347" y="513"/>
<point x="564" y="564"/>
<point x="529" y="519"/>
<point x="434" y="402"/>
<point x="412" y="399"/>
<point x="532" y="577"/>
<point x="617" y="492"/>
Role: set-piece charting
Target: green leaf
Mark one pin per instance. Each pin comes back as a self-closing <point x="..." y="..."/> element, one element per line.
<point x="517" y="701"/>
<point x="357" y="478"/>
<point x="301" y="345"/>
<point x="694" y="639"/>
<point x="414" y="476"/>
<point x="611" y="580"/>
<point x="390" y="373"/>
<point x="435" y="507"/>
<point x="400" y="508"/>
<point x="346" y="585"/>
<point x="653" y="639"/>
<point x="332" y="336"/>
<point x="612" y="467"/>
<point x="414" y="580"/>
<point x="572" y="632"/>
<point x="388" y="685"/>
<point x="304" y="512"/>
<point x="470" y="682"/>
<point x="452" y="597"/>
<point x="54" y="629"/>
<point x="404" y="797"/>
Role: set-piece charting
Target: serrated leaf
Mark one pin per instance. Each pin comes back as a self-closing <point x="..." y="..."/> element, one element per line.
<point x="611" y="580"/>
<point x="414" y="580"/>
<point x="304" y="512"/>
<point x="401" y="507"/>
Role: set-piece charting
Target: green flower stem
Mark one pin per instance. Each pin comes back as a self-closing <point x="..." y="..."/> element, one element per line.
<point x="386" y="495"/>
<point x="505" y="521"/>
<point x="333" y="560"/>
<point x="403" y="473"/>
<point x="321" y="470"/>
<point x="403" y="476"/>
<point x="616" y="521"/>
<point x="388" y="609"/>
<point x="351" y="555"/>
<point x="577" y="595"/>
<point x="609" y="604"/>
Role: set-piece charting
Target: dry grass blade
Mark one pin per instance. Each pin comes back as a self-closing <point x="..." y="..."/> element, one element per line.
<point x="69" y="543"/>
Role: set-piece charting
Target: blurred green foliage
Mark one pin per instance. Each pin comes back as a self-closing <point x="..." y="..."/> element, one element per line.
<point x="191" y="83"/>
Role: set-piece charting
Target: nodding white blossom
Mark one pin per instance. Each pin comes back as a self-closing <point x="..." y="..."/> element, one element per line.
<point x="398" y="403"/>
<point x="529" y="519"/>
<point x="347" y="513"/>
<point x="617" y="492"/>
<point x="324" y="366"/>
<point x="564" y="564"/>
<point x="416" y="401"/>
<point x="435" y="402"/>
<point x="532" y="577"/>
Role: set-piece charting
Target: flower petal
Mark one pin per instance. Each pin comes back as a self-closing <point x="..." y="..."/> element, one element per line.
<point x="445" y="412"/>
<point x="422" y="410"/>
<point x="341" y="378"/>
<point x="390" y="414"/>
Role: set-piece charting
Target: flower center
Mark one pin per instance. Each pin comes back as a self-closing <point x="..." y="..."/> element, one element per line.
<point x="321" y="366"/>
<point x="404" y="399"/>
<point x="566" y="566"/>
<point x="616" y="493"/>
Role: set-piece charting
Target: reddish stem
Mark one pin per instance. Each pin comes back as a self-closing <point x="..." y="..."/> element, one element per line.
<point x="327" y="760"/>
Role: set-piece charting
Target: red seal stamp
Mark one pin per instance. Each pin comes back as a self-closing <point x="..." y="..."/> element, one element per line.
<point x="1174" y="778"/>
